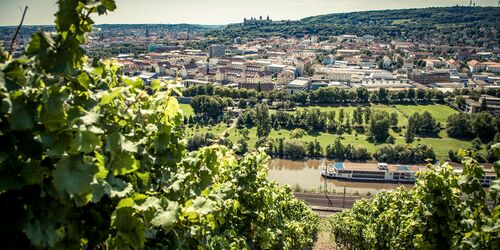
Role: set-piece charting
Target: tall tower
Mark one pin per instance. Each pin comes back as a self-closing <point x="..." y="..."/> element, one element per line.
<point x="470" y="4"/>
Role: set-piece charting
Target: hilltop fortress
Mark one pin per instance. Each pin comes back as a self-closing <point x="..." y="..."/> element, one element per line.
<point x="257" y="22"/>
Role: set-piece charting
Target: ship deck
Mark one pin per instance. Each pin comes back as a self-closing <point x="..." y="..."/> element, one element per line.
<point x="374" y="167"/>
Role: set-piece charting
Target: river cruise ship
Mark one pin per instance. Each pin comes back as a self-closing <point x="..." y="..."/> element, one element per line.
<point x="382" y="172"/>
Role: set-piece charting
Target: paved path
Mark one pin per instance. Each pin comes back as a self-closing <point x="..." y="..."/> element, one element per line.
<point x="233" y="125"/>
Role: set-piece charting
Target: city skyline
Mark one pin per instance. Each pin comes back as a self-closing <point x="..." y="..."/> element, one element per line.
<point x="215" y="12"/>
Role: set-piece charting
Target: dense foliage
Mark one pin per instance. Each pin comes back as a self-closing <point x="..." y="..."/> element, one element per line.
<point x="423" y="124"/>
<point x="91" y="160"/>
<point x="482" y="125"/>
<point x="378" y="129"/>
<point x="346" y="152"/>
<point x="444" y="210"/>
<point x="324" y="95"/>
<point x="210" y="107"/>
<point x="405" y="154"/>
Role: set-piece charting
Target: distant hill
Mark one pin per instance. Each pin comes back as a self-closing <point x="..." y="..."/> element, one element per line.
<point x="183" y="27"/>
<point x="448" y="25"/>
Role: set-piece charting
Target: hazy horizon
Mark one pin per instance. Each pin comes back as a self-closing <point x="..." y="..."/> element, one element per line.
<point x="214" y="12"/>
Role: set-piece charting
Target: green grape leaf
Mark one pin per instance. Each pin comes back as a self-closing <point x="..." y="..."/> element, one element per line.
<point x="10" y="183"/>
<point x="166" y="219"/>
<point x="109" y="4"/>
<point x="90" y="118"/>
<point x="109" y="97"/>
<point x="127" y="202"/>
<point x="156" y="84"/>
<point x="150" y="202"/>
<point x="84" y="80"/>
<point x="74" y="176"/>
<point x="32" y="173"/>
<point x="119" y="188"/>
<point x="67" y="16"/>
<point x="85" y="141"/>
<point x="133" y="83"/>
<point x="21" y="118"/>
<point x="42" y="46"/>
<point x="54" y="115"/>
<point x="129" y="227"/>
<point x="202" y="205"/>
<point x="122" y="163"/>
<point x="100" y="163"/>
<point x="42" y="234"/>
<point x="14" y="76"/>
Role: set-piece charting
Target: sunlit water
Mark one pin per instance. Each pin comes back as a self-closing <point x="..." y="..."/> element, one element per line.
<point x="306" y="174"/>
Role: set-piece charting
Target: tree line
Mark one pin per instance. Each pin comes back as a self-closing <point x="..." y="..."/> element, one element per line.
<point x="323" y="96"/>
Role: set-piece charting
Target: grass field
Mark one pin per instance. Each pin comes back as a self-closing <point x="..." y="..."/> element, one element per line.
<point x="441" y="144"/>
<point x="440" y="112"/>
<point x="217" y="130"/>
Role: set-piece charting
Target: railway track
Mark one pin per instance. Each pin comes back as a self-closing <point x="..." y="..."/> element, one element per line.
<point x="327" y="204"/>
<point x="324" y="200"/>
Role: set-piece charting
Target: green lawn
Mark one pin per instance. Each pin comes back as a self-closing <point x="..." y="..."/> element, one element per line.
<point x="217" y="130"/>
<point x="441" y="145"/>
<point x="402" y="120"/>
<point x="440" y="112"/>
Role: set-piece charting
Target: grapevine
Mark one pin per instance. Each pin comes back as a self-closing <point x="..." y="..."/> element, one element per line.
<point x="444" y="210"/>
<point x="92" y="159"/>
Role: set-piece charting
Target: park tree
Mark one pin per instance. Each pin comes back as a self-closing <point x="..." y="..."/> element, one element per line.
<point x="459" y="125"/>
<point x="359" y="116"/>
<point x="294" y="149"/>
<point x="262" y="120"/>
<point x="297" y="133"/>
<point x="211" y="106"/>
<point x="410" y="132"/>
<point x="362" y="94"/>
<point x="341" y="116"/>
<point x="484" y="105"/>
<point x="378" y="129"/>
<point x="280" y="147"/>
<point x="484" y="125"/>
<point x="382" y="95"/>
<point x="423" y="124"/>
<point x="367" y="114"/>
<point x="394" y="119"/>
<point x="411" y="94"/>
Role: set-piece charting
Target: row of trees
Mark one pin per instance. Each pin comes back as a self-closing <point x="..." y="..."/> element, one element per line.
<point x="211" y="107"/>
<point x="332" y="95"/>
<point x="325" y="95"/>
<point x="314" y="120"/>
<point x="405" y="154"/>
<point x="397" y="154"/>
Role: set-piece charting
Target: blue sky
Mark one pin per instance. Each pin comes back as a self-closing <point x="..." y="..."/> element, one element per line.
<point x="215" y="11"/>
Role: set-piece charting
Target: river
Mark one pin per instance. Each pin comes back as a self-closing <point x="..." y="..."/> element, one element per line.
<point x="306" y="174"/>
